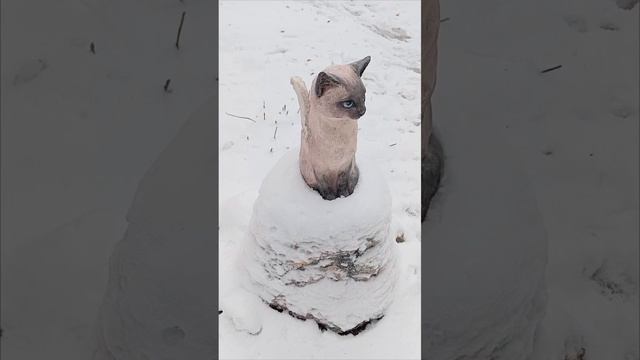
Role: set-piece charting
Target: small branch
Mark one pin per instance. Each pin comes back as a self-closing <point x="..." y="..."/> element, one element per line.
<point x="240" y="117"/>
<point x="550" y="69"/>
<point x="274" y="133"/>
<point x="394" y="144"/>
<point x="180" y="30"/>
<point x="445" y="19"/>
<point x="166" y="85"/>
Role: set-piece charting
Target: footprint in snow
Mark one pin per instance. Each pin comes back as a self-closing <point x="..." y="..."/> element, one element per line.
<point x="609" y="26"/>
<point x="620" y="110"/>
<point x="394" y="33"/>
<point x="29" y="71"/>
<point x="406" y="96"/>
<point x="611" y="283"/>
<point x="626" y="4"/>
<point x="227" y="145"/>
<point x="353" y="12"/>
<point x="577" y="23"/>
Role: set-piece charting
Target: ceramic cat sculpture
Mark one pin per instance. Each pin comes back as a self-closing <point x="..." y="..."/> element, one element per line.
<point x="329" y="112"/>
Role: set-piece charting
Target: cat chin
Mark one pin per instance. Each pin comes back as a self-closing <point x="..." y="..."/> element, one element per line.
<point x="344" y="118"/>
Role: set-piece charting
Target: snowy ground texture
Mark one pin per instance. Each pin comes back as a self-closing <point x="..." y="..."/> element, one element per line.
<point x="78" y="133"/>
<point x="574" y="131"/>
<point x="301" y="39"/>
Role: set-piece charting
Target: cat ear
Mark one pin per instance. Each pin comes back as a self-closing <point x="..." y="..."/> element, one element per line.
<point x="324" y="82"/>
<point x="360" y="65"/>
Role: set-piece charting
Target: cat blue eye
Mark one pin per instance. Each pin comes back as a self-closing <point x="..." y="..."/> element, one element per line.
<point x="347" y="104"/>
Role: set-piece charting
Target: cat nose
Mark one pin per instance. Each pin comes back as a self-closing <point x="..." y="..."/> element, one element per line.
<point x="362" y="111"/>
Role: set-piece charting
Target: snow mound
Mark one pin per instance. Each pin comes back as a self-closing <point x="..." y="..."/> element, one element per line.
<point x="333" y="261"/>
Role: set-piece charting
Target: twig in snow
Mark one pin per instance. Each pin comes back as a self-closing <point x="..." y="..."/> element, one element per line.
<point x="180" y="30"/>
<point x="240" y="117"/>
<point x="551" y="69"/>
<point x="394" y="144"/>
<point x="274" y="133"/>
<point x="166" y="85"/>
<point x="92" y="48"/>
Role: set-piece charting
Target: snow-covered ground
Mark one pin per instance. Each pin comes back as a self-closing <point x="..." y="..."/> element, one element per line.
<point x="301" y="39"/>
<point x="79" y="130"/>
<point x="575" y="131"/>
<point x="77" y="136"/>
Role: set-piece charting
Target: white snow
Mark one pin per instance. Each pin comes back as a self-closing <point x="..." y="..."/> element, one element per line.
<point x="486" y="251"/>
<point x="254" y="82"/>
<point x="575" y="144"/>
<point x="76" y="141"/>
<point x="573" y="131"/>
<point x="334" y="260"/>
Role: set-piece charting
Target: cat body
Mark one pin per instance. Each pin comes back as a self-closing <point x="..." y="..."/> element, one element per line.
<point x="329" y="112"/>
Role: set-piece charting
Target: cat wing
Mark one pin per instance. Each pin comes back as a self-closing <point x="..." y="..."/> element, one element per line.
<point x="303" y="98"/>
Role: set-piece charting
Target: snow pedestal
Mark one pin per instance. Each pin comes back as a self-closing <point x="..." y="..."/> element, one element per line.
<point x="330" y="261"/>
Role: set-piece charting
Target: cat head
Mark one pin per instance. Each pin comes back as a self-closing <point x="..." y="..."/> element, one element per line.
<point x="339" y="92"/>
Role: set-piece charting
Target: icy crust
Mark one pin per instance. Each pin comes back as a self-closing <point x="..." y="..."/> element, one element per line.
<point x="331" y="261"/>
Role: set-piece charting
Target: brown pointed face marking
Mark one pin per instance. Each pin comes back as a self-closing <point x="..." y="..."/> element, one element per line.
<point x="351" y="101"/>
<point x="340" y="90"/>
